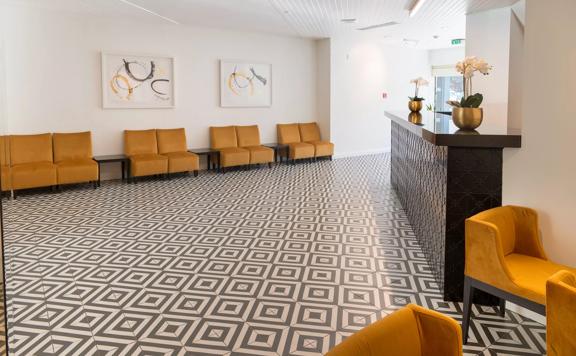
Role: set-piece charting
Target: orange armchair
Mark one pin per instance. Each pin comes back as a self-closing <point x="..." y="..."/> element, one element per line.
<point x="142" y="148"/>
<point x="504" y="257"/>
<point x="310" y="133"/>
<point x="410" y="331"/>
<point x="224" y="140"/>
<point x="289" y="135"/>
<point x="249" y="139"/>
<point x="73" y="158"/>
<point x="32" y="161"/>
<point x="5" y="163"/>
<point x="561" y="314"/>
<point x="172" y="144"/>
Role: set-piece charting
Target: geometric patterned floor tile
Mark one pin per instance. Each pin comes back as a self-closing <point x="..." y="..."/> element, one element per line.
<point x="288" y="260"/>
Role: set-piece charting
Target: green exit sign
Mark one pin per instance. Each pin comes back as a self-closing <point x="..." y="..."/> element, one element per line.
<point x="457" y="41"/>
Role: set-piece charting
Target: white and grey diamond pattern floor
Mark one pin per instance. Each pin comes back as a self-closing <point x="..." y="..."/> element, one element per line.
<point x="282" y="261"/>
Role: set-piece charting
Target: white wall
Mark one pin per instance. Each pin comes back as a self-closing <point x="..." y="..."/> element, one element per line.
<point x="446" y="56"/>
<point x="488" y="37"/>
<point x="542" y="173"/>
<point x="363" y="69"/>
<point x="323" y="86"/>
<point x="53" y="76"/>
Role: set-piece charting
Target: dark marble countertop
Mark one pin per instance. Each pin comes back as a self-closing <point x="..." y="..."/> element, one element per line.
<point x="438" y="129"/>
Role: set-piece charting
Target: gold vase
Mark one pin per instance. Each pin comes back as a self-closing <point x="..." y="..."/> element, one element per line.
<point x="415" y="118"/>
<point x="415" y="105"/>
<point x="467" y="118"/>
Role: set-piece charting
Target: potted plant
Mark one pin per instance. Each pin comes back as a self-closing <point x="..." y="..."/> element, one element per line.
<point x="415" y="103"/>
<point x="466" y="113"/>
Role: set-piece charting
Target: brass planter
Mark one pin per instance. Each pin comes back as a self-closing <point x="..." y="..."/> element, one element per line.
<point x="467" y="118"/>
<point x="415" y="105"/>
<point x="415" y="118"/>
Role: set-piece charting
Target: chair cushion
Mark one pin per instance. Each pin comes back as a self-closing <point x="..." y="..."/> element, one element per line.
<point x="148" y="164"/>
<point x="77" y="171"/>
<point x="288" y="133"/>
<point x="309" y="132"/>
<point x="234" y="156"/>
<point x="72" y="146"/>
<point x="300" y="150"/>
<point x="248" y="136"/>
<point x="33" y="175"/>
<point x="171" y="140"/>
<point x="260" y="154"/>
<point x="138" y="142"/>
<point x="182" y="162"/>
<point x="30" y="149"/>
<point x="323" y="148"/>
<point x="530" y="275"/>
<point x="223" y="137"/>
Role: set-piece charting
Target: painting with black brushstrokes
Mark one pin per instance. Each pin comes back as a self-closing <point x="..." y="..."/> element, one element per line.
<point x="130" y="81"/>
<point x="245" y="84"/>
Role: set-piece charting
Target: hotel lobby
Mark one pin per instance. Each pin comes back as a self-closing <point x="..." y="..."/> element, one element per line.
<point x="287" y="177"/>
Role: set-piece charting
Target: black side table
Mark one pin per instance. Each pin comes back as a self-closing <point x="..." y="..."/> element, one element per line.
<point x="124" y="161"/>
<point x="278" y="150"/>
<point x="212" y="156"/>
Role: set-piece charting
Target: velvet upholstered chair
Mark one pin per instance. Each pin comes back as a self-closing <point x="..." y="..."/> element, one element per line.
<point x="410" y="331"/>
<point x="141" y="147"/>
<point x="561" y="314"/>
<point x="310" y="133"/>
<point x="73" y="158"/>
<point x="504" y="257"/>
<point x="224" y="140"/>
<point x="31" y="161"/>
<point x="5" y="163"/>
<point x="172" y="144"/>
<point x="289" y="134"/>
<point x="249" y="138"/>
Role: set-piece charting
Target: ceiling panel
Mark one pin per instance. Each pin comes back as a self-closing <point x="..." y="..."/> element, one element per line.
<point x="437" y="22"/>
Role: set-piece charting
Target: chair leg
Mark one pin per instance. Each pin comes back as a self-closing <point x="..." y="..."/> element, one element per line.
<point x="196" y="173"/>
<point x="468" y="296"/>
<point x="502" y="308"/>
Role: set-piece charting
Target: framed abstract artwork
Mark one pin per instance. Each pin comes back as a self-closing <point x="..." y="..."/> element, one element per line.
<point x="245" y="84"/>
<point x="130" y="81"/>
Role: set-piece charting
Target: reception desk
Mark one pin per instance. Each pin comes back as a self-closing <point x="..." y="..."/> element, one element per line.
<point x="442" y="176"/>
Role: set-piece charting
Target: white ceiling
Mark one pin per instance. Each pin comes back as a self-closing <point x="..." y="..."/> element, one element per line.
<point x="303" y="18"/>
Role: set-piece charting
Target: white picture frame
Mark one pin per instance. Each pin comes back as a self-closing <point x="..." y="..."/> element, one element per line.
<point x="137" y="81"/>
<point x="245" y="84"/>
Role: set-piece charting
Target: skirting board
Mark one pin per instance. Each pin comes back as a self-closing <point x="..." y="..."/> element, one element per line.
<point x="360" y="153"/>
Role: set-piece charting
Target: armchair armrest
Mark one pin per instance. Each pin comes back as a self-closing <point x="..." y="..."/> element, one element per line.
<point x="484" y="255"/>
<point x="439" y="334"/>
<point x="528" y="233"/>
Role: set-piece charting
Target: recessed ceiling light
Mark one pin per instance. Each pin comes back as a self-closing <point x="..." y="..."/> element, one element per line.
<point x="149" y="11"/>
<point x="417" y="5"/>
<point x="410" y="42"/>
<point x="391" y="23"/>
<point x="435" y="37"/>
<point x="349" y="20"/>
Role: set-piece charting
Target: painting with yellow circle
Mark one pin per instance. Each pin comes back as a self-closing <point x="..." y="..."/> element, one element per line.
<point x="130" y="81"/>
<point x="245" y="84"/>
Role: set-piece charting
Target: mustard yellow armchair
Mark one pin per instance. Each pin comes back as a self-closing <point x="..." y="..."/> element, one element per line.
<point x="561" y="314"/>
<point x="142" y="148"/>
<point x="73" y="158"/>
<point x="310" y="133"/>
<point x="504" y="257"/>
<point x="224" y="140"/>
<point x="172" y="144"/>
<point x="249" y="139"/>
<point x="410" y="331"/>
<point x="289" y="135"/>
<point x="31" y="160"/>
<point x="5" y="163"/>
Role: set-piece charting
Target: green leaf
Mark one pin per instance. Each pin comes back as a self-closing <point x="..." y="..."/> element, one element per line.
<point x="473" y="101"/>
